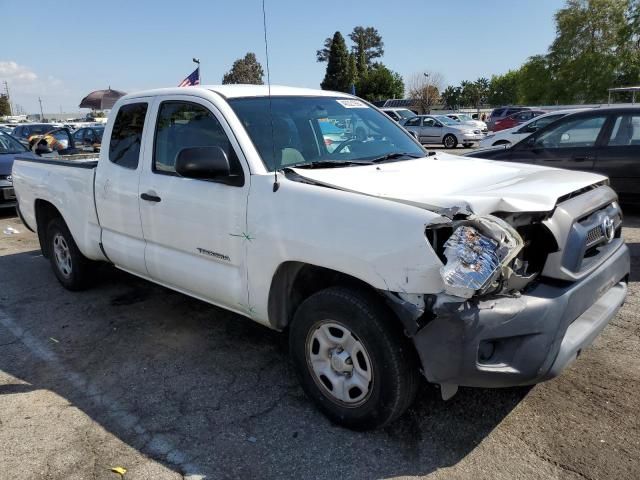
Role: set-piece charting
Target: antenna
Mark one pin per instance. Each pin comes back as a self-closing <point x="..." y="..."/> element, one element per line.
<point x="276" y="185"/>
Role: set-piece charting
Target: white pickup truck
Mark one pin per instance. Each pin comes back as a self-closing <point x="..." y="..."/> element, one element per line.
<point x="313" y="213"/>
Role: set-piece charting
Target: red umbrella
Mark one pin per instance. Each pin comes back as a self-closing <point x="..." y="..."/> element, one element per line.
<point x="101" y="99"/>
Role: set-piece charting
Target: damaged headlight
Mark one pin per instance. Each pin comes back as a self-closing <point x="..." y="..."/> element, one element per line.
<point x="476" y="253"/>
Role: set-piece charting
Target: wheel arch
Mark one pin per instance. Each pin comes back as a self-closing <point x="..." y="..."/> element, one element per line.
<point x="293" y="282"/>
<point x="45" y="211"/>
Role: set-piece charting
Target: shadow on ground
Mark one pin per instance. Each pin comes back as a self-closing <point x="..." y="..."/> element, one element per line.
<point x="206" y="391"/>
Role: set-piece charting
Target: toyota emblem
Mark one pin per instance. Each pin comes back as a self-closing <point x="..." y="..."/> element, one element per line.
<point x="608" y="229"/>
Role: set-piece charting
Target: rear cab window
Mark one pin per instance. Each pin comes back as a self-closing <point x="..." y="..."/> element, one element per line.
<point x="126" y="136"/>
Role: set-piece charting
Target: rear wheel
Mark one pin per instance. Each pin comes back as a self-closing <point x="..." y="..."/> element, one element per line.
<point x="450" y="141"/>
<point x="69" y="265"/>
<point x="351" y="360"/>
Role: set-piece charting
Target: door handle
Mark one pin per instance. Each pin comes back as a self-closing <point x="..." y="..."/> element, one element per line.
<point x="150" y="198"/>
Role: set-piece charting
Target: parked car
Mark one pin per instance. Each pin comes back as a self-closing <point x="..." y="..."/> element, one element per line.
<point x="500" y="113"/>
<point x="54" y="143"/>
<point x="398" y="114"/>
<point x="8" y="129"/>
<point x="25" y="132"/>
<point x="466" y="119"/>
<point x="88" y="139"/>
<point x="380" y="261"/>
<point x="432" y="129"/>
<point x="516" y="119"/>
<point x="513" y="135"/>
<point x="9" y="149"/>
<point x="604" y="140"/>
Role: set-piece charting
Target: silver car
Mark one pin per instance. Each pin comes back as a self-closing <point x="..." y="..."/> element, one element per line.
<point x="432" y="129"/>
<point x="465" y="119"/>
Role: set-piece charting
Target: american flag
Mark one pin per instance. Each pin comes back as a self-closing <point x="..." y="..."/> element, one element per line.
<point x="193" y="79"/>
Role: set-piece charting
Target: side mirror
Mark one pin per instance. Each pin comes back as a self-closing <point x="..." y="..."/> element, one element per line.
<point x="206" y="163"/>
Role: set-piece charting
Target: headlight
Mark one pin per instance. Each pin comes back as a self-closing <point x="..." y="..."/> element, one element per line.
<point x="468" y="132"/>
<point x="476" y="252"/>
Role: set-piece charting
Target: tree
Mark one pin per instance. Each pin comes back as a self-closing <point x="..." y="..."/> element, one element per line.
<point x="245" y="70"/>
<point x="337" y="76"/>
<point x="322" y="55"/>
<point x="367" y="45"/>
<point x="503" y="89"/>
<point x="424" y="89"/>
<point x="5" y="107"/>
<point x="450" y="97"/>
<point x="474" y="94"/>
<point x="380" y="83"/>
<point x="535" y="82"/>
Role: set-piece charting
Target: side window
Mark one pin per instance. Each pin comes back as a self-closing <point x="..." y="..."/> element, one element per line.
<point x="126" y="137"/>
<point x="182" y="125"/>
<point x="626" y="131"/>
<point x="77" y="136"/>
<point x="573" y="133"/>
<point x="497" y="113"/>
<point x="413" y="122"/>
<point x="428" y="122"/>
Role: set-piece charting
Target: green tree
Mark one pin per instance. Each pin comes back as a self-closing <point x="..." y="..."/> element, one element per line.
<point x="451" y="97"/>
<point x="5" y="108"/>
<point x="367" y="45"/>
<point x="585" y="58"/>
<point x="380" y="83"/>
<point x="535" y="82"/>
<point x="503" y="89"/>
<point x="322" y="55"/>
<point x="337" y="76"/>
<point x="245" y="70"/>
<point x="474" y="94"/>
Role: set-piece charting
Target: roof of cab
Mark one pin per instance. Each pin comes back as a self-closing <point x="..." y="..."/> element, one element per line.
<point x="239" y="91"/>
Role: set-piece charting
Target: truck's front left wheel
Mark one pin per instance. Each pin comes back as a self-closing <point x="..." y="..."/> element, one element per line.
<point x="69" y="265"/>
<point x="351" y="359"/>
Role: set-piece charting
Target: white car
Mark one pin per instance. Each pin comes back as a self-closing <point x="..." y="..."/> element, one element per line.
<point x="379" y="261"/>
<point x="465" y="119"/>
<point x="513" y="135"/>
<point x="398" y="114"/>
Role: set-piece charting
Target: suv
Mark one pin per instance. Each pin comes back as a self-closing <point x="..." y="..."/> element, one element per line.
<point x="500" y="113"/>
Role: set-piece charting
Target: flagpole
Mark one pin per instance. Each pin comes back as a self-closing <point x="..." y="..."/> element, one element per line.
<point x="197" y="61"/>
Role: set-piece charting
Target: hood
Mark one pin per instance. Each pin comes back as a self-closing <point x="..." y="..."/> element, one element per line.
<point x="6" y="161"/>
<point x="444" y="181"/>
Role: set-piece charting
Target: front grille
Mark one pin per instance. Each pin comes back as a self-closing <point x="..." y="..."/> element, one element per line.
<point x="594" y="236"/>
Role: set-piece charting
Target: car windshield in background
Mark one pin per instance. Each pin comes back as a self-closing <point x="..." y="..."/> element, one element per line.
<point x="465" y="118"/>
<point x="99" y="132"/>
<point x="310" y="130"/>
<point x="405" y="113"/>
<point x="10" y="145"/>
<point x="446" y="120"/>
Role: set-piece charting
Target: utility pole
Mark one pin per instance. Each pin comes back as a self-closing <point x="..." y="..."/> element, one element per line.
<point x="6" y="89"/>
<point x="41" y="114"/>
<point x="427" y="91"/>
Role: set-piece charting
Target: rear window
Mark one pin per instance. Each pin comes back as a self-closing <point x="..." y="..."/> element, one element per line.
<point x="497" y="112"/>
<point x="124" y="147"/>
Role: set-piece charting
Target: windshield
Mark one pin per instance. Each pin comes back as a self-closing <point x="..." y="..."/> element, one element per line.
<point x="317" y="129"/>
<point x="445" y="120"/>
<point x="405" y="113"/>
<point x="465" y="118"/>
<point x="9" y="145"/>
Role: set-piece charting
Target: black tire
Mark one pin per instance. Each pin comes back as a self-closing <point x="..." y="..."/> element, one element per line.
<point x="394" y="368"/>
<point x="450" y="141"/>
<point x="77" y="276"/>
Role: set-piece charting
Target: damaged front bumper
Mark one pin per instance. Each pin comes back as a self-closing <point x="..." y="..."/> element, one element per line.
<point x="518" y="340"/>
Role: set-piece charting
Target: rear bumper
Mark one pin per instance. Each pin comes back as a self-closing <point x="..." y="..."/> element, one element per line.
<point x="509" y="341"/>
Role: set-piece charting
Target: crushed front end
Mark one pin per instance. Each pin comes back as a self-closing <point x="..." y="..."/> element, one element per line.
<point x="523" y="293"/>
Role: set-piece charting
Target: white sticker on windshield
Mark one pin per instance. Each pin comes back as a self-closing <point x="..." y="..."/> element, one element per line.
<point x="348" y="103"/>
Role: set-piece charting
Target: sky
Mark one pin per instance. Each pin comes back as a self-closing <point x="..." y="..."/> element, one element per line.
<point x="80" y="46"/>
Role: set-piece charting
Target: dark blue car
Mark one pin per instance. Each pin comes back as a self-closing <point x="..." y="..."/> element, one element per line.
<point x="9" y="149"/>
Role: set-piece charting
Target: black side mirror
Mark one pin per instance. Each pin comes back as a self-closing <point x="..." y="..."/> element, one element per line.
<point x="206" y="163"/>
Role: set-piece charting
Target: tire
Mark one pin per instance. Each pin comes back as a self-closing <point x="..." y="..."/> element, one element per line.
<point x="378" y="384"/>
<point x="69" y="265"/>
<point x="450" y="141"/>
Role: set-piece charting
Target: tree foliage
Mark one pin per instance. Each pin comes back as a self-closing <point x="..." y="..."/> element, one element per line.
<point x="5" y="108"/>
<point x="245" y="70"/>
<point x="380" y="83"/>
<point x="367" y="45"/>
<point x="338" y="76"/>
<point x="424" y="89"/>
<point x="451" y="97"/>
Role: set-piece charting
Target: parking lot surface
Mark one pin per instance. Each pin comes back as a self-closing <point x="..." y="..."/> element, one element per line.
<point x="130" y="374"/>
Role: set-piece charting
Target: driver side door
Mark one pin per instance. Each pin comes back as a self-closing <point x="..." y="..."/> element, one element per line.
<point x="430" y="131"/>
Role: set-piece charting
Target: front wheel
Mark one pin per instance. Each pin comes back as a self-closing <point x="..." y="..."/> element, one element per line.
<point x="351" y="359"/>
<point x="450" y="141"/>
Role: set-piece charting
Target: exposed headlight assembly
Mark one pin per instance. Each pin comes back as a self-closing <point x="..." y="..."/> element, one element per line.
<point x="477" y="252"/>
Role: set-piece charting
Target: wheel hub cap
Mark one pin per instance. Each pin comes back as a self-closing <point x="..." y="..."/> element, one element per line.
<point x="339" y="364"/>
<point x="62" y="255"/>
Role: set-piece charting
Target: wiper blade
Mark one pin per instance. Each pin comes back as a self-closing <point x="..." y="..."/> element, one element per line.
<point x="395" y="156"/>
<point x="329" y="164"/>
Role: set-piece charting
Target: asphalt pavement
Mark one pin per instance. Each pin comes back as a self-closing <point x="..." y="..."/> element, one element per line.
<point x="129" y="374"/>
